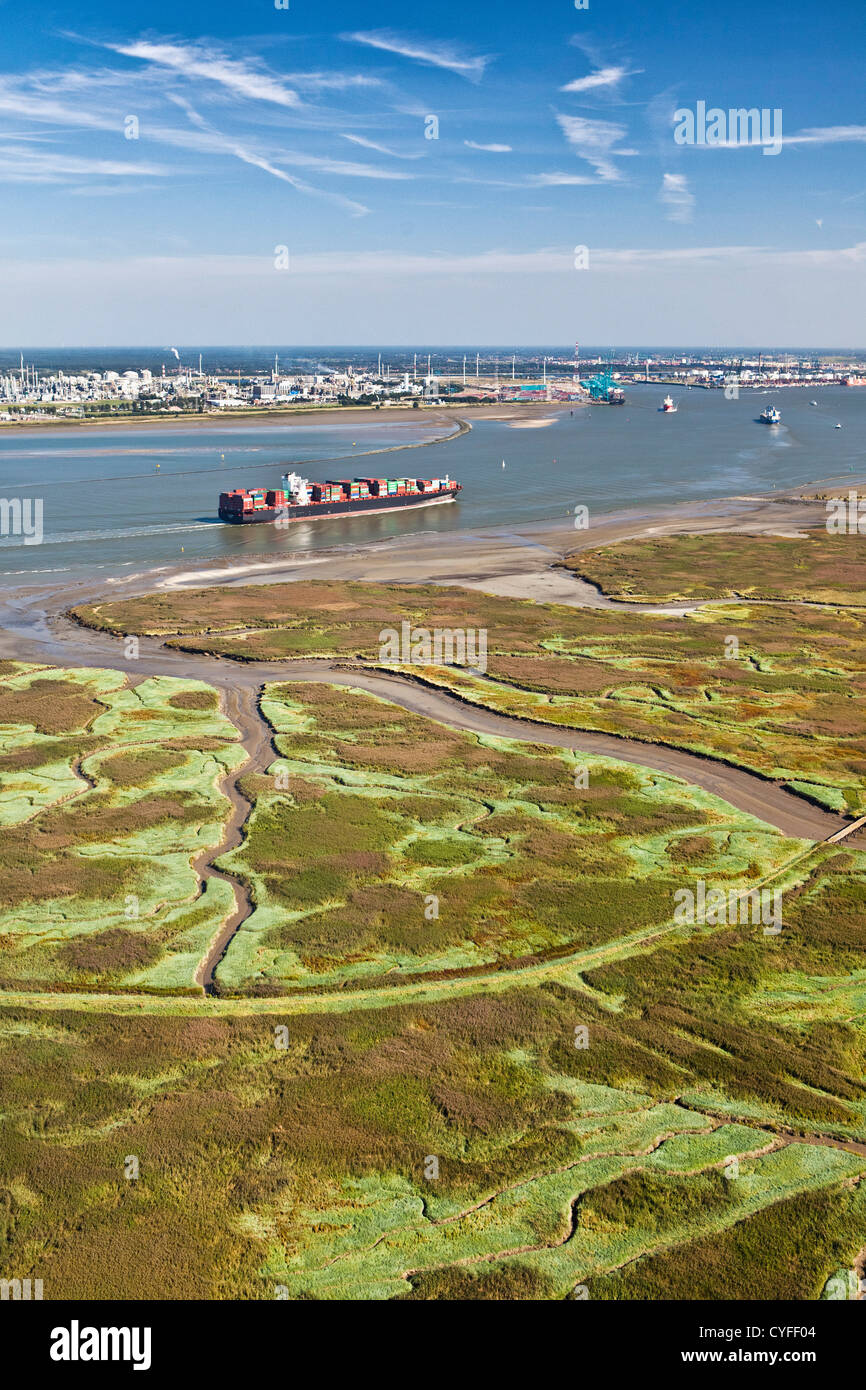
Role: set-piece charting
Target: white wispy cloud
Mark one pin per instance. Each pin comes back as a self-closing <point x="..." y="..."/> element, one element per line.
<point x="753" y="138"/>
<point x="39" y="137"/>
<point x="198" y="60"/>
<point x="490" y="149"/>
<point x="829" y="135"/>
<point x="259" y="162"/>
<point x="339" y="166"/>
<point x="595" y="142"/>
<point x="554" y="259"/>
<point x="745" y="257"/>
<point x="74" y="81"/>
<point x="602" y="77"/>
<point x="434" y="53"/>
<point x="216" y="142"/>
<point x="109" y="190"/>
<point x="557" y="180"/>
<point x="542" y="261"/>
<point x="374" y="145"/>
<point x="331" y="81"/>
<point x="19" y="164"/>
<point x="365" y="143"/>
<point x="675" y="193"/>
<point x="17" y="99"/>
<point x="543" y="180"/>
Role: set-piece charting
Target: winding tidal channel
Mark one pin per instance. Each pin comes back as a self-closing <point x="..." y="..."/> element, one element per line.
<point x="28" y="633"/>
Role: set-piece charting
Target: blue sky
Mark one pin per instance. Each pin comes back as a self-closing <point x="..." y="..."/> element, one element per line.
<point x="306" y="127"/>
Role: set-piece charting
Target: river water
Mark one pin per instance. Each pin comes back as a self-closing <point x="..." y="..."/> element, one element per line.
<point x="108" y="508"/>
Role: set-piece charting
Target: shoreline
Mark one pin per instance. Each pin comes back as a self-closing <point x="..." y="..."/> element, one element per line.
<point x="524" y="562"/>
<point x="527" y="411"/>
<point x="304" y="415"/>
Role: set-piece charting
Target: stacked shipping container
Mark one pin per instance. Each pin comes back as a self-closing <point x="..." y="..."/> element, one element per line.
<point x="256" y="504"/>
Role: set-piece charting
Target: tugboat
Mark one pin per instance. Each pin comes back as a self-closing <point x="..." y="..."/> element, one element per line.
<point x="770" y="416"/>
<point x="667" y="406"/>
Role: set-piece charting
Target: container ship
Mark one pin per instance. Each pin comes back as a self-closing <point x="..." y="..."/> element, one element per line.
<point x="300" y="500"/>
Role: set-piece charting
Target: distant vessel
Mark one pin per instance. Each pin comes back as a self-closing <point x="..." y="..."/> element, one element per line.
<point x="813" y="402"/>
<point x="837" y="427"/>
<point x="667" y="406"/>
<point x="770" y="416"/>
<point x="300" y="500"/>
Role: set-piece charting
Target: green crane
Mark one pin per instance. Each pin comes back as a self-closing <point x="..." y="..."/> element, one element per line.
<point x="602" y="387"/>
